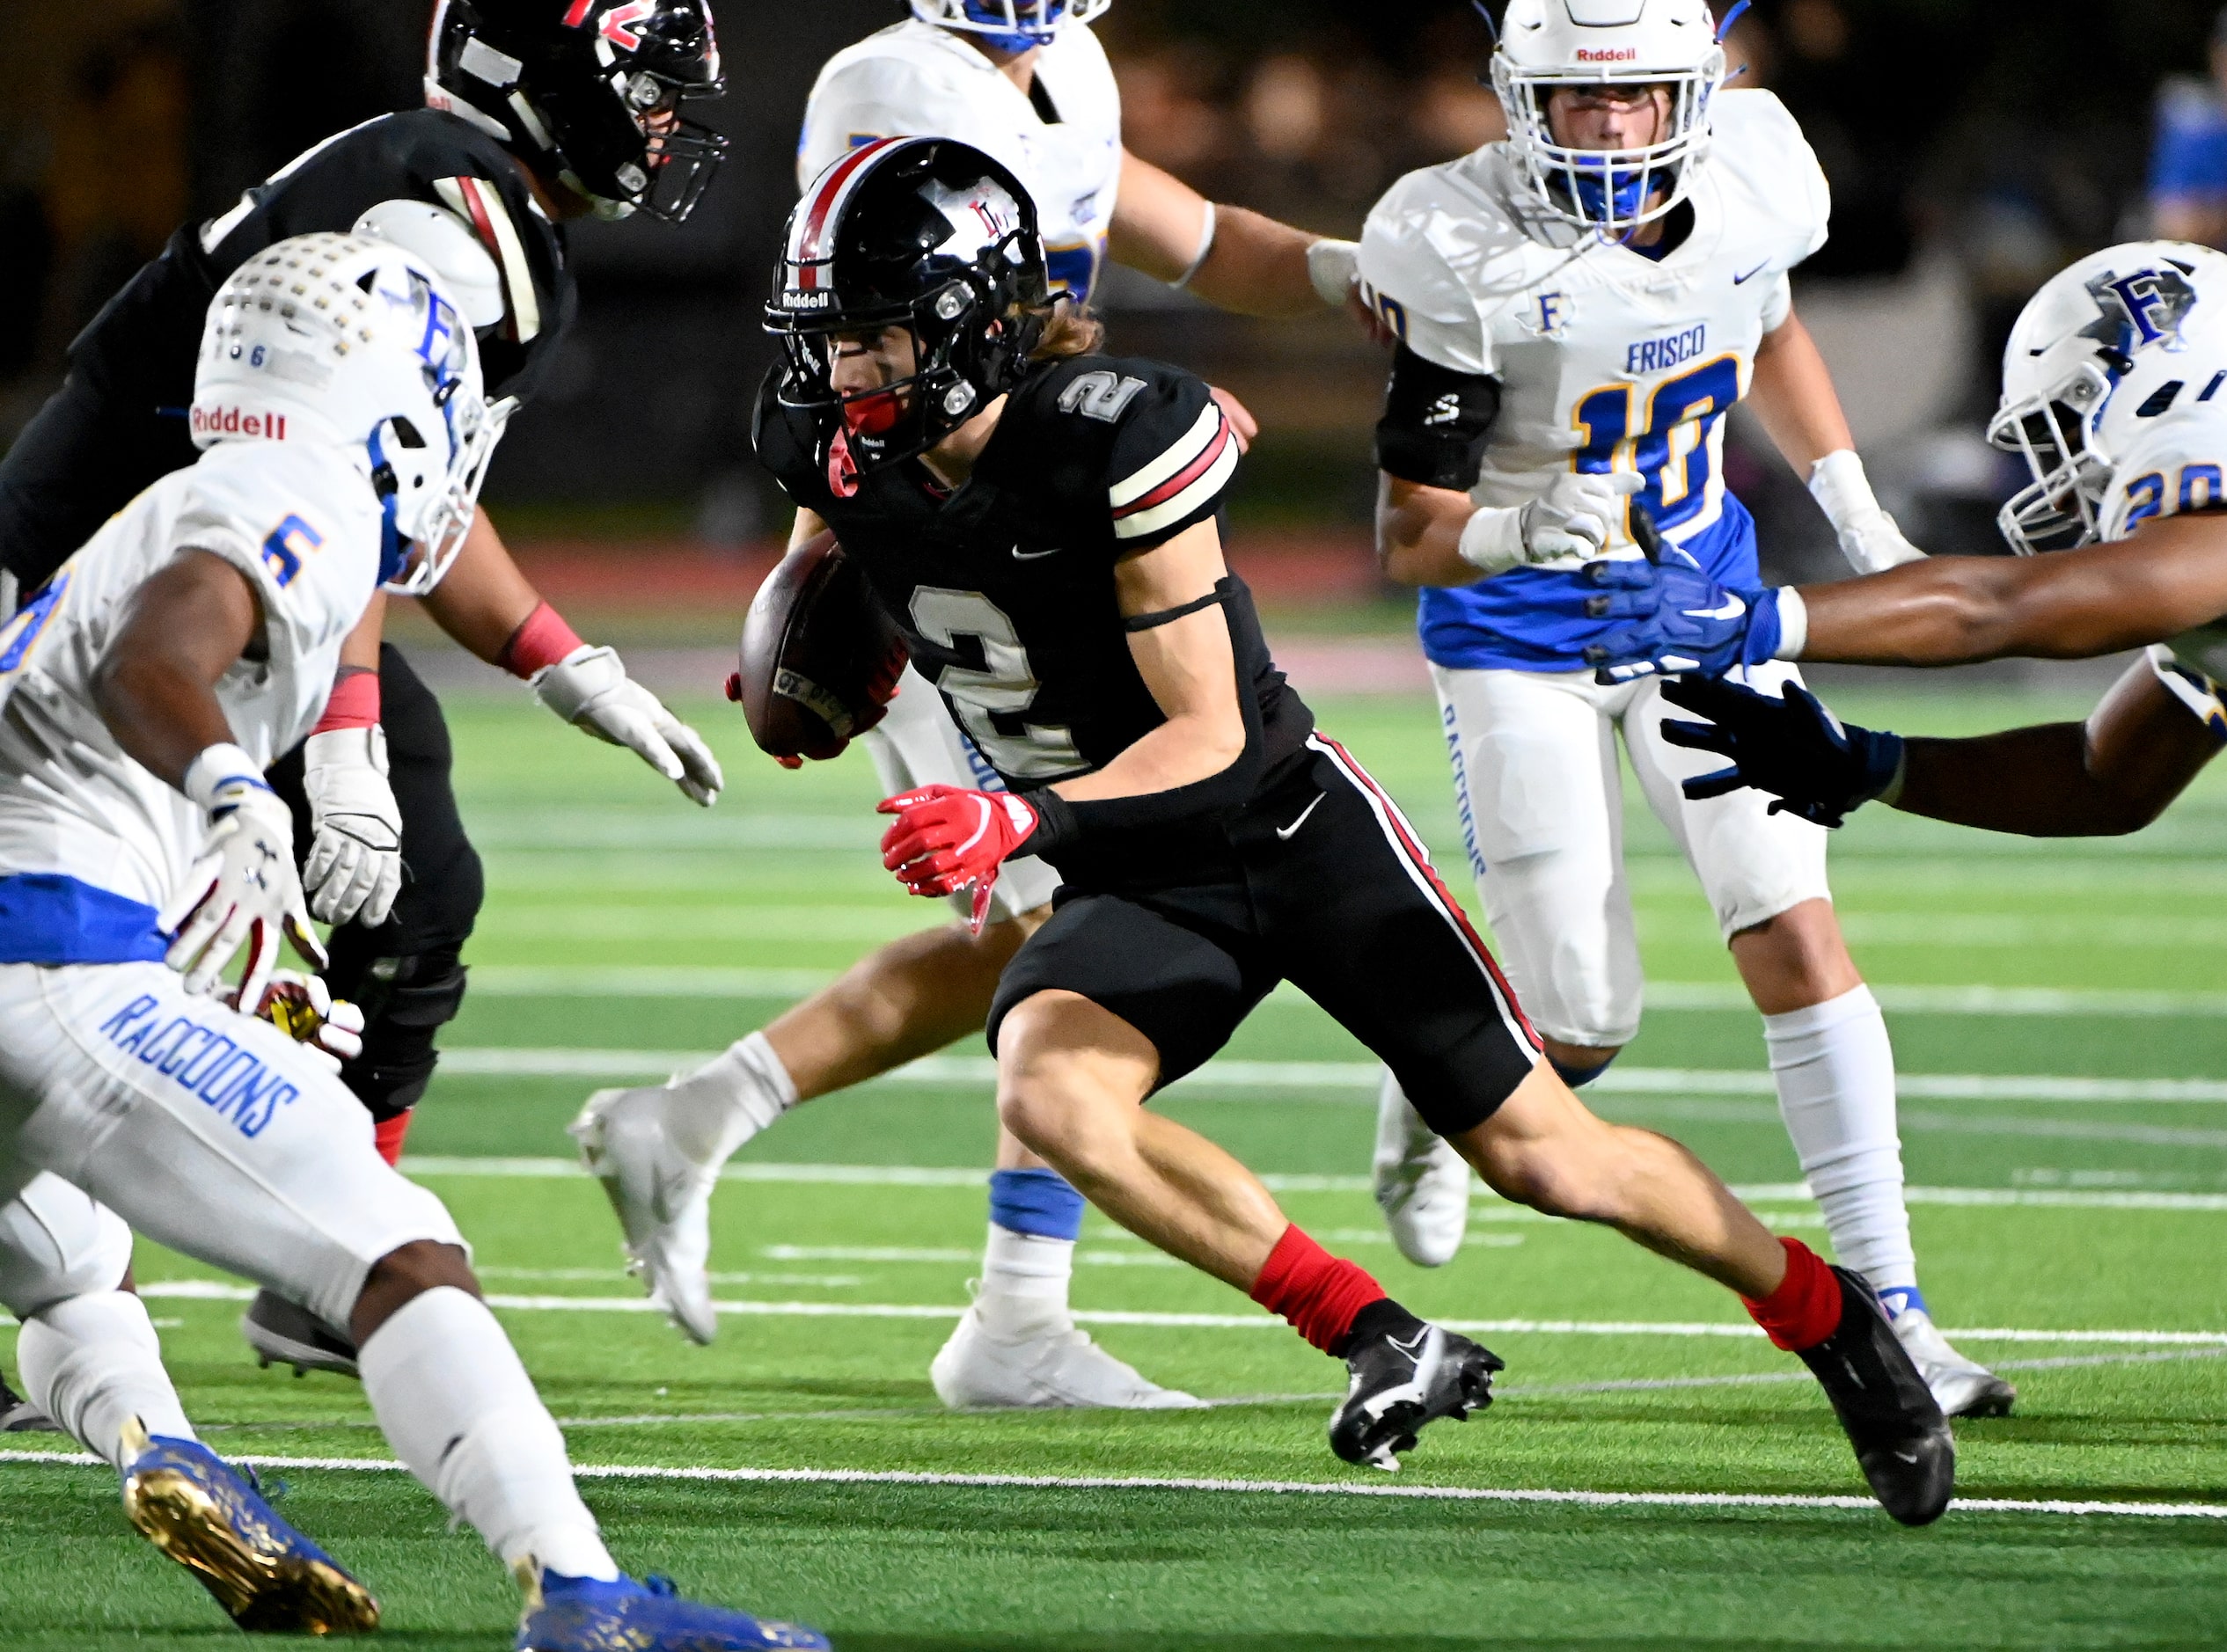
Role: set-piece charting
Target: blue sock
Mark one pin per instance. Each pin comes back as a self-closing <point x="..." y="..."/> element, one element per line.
<point x="1037" y="1202"/>
<point x="1578" y="1078"/>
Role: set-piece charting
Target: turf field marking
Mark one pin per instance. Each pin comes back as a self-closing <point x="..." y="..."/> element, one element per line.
<point x="906" y="1254"/>
<point x="542" y="1062"/>
<point x="216" y="1290"/>
<point x="958" y="1176"/>
<point x="689" y="981"/>
<point x="1253" y="1487"/>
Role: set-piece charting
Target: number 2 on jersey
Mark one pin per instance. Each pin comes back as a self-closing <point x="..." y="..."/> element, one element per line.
<point x="1006" y="686"/>
<point x="1671" y="451"/>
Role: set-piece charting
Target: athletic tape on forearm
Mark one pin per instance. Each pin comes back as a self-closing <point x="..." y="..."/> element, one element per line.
<point x="1793" y="624"/>
<point x="219" y="766"/>
<point x="354" y="702"/>
<point x="1206" y="251"/>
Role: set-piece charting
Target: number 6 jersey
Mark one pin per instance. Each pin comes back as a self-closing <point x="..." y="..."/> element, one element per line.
<point x="1604" y="358"/>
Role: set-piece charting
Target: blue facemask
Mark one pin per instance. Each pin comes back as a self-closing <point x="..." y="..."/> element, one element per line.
<point x="1013" y="39"/>
<point x="1617" y="193"/>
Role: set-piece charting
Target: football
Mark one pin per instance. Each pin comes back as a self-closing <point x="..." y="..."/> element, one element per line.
<point x="820" y="655"/>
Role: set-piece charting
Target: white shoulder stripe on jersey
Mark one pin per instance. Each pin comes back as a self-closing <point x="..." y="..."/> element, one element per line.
<point x="1186" y="449"/>
<point x="480" y="205"/>
<point x="1192" y="497"/>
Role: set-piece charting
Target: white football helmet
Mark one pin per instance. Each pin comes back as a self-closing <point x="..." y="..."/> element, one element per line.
<point x="354" y="342"/>
<point x="2114" y="340"/>
<point x="1012" y="25"/>
<point x="1545" y="44"/>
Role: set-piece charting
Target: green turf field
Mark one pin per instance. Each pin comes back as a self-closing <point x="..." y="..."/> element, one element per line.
<point x="2060" y="1015"/>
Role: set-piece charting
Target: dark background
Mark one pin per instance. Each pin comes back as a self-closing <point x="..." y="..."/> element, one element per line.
<point x="1972" y="145"/>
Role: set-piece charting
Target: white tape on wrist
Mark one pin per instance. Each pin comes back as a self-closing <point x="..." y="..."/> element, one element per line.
<point x="1493" y="540"/>
<point x="1793" y="624"/>
<point x="1332" y="267"/>
<point x="1842" y="490"/>
<point x="213" y="777"/>
<point x="1206" y="251"/>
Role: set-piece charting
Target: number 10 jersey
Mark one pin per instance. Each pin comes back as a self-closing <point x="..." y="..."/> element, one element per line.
<point x="1607" y="360"/>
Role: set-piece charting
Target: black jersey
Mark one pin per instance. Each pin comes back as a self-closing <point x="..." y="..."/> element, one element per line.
<point x="1005" y="587"/>
<point x="119" y="423"/>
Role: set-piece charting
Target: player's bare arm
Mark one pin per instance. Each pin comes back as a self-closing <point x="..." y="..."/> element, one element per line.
<point x="2169" y="576"/>
<point x="1253" y="264"/>
<point x="1792" y="395"/>
<point x="2113" y="774"/>
<point x="185" y="627"/>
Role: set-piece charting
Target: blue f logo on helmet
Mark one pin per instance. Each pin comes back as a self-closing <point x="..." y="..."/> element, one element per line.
<point x="1009" y="25"/>
<point x="1547" y="46"/>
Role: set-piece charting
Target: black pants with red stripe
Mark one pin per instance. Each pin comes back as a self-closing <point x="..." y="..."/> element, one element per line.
<point x="1326" y="886"/>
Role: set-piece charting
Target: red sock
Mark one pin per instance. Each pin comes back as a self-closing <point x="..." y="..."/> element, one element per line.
<point x="1319" y="1293"/>
<point x="1806" y="1308"/>
<point x="389" y="1133"/>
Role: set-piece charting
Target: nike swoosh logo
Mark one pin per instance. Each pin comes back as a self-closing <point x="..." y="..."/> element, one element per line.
<point x="1019" y="555"/>
<point x="1285" y="834"/>
<point x="1742" y="281"/>
<point x="1733" y="609"/>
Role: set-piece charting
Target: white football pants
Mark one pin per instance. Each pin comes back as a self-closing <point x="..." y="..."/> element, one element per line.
<point x="1541" y="796"/>
<point x="205" y="1130"/>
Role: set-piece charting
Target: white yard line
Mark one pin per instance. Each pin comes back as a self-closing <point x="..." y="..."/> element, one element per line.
<point x="528" y="1061"/>
<point x="1483" y="1208"/>
<point x="689" y="981"/>
<point x="216" y="1290"/>
<point x="1272" y="1487"/>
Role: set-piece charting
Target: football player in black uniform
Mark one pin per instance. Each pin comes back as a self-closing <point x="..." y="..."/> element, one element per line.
<point x="538" y="112"/>
<point x="1043" y="524"/>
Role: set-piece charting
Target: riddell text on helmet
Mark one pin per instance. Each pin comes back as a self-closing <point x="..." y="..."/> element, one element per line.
<point x="231" y="421"/>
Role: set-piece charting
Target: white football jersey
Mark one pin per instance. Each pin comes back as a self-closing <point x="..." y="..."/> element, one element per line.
<point x="2180" y="464"/>
<point x="302" y="522"/>
<point x="914" y="79"/>
<point x="1607" y="359"/>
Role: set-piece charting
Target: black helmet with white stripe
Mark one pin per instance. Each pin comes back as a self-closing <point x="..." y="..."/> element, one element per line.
<point x="924" y="234"/>
<point x="593" y="88"/>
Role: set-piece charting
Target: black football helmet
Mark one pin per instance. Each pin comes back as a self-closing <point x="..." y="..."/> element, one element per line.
<point x="595" y="86"/>
<point x="923" y="233"/>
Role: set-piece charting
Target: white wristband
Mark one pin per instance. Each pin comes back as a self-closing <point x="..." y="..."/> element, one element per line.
<point x="1332" y="267"/>
<point x="1205" y="250"/>
<point x="1493" y="540"/>
<point x="1793" y="624"/>
<point x="1842" y="490"/>
<point x="212" y="777"/>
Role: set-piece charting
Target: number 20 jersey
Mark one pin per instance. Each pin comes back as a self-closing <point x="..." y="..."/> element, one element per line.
<point x="1607" y="360"/>
<point x="2179" y="463"/>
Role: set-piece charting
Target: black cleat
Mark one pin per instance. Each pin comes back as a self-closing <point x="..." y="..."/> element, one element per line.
<point x="19" y="1415"/>
<point x="282" y="1332"/>
<point x="1901" y="1440"/>
<point x="1400" y="1384"/>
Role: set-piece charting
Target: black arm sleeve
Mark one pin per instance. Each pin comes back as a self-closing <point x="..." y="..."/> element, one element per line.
<point x="1063" y="822"/>
<point x="1435" y="422"/>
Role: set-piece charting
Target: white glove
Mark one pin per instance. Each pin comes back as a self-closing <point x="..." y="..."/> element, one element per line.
<point x="1332" y="267"/>
<point x="589" y="688"/>
<point x="303" y="1008"/>
<point x="1572" y="518"/>
<point x="354" y="866"/>
<point x="244" y="889"/>
<point x="1869" y="538"/>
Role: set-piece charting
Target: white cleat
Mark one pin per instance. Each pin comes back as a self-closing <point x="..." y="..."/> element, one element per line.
<point x="977" y="1371"/>
<point x="662" y="1198"/>
<point x="1422" y="1182"/>
<point x="1961" y="1387"/>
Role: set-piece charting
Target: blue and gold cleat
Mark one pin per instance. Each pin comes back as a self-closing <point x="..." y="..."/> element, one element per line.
<point x="190" y="1504"/>
<point x="586" y="1614"/>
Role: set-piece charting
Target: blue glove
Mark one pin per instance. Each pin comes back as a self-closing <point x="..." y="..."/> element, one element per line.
<point x="1682" y="620"/>
<point x="1817" y="766"/>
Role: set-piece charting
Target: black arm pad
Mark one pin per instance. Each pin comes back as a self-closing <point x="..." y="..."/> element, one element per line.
<point x="1435" y="422"/>
<point x="1062" y="822"/>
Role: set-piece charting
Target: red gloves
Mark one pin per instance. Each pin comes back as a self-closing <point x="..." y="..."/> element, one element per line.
<point x="947" y="837"/>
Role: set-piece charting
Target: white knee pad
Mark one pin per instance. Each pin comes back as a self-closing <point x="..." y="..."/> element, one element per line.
<point x="58" y="1242"/>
